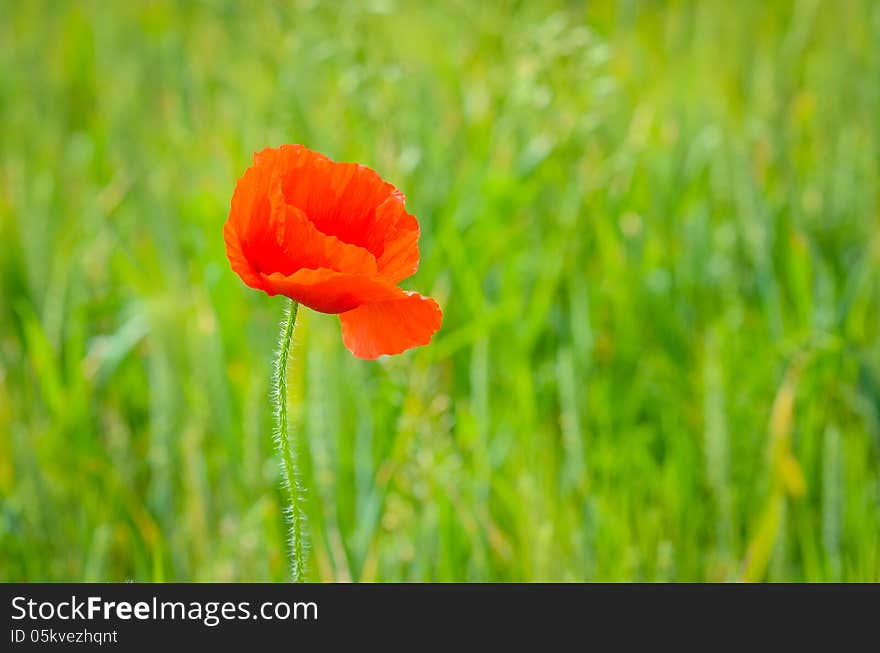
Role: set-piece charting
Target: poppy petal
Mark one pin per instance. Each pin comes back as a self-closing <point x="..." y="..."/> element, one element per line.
<point x="273" y="236"/>
<point x="250" y="199"/>
<point x="400" y="250"/>
<point x="299" y="244"/>
<point x="346" y="201"/>
<point x="239" y="262"/>
<point x="248" y="217"/>
<point x="390" y="327"/>
<point x="335" y="237"/>
<point x="330" y="291"/>
<point x="339" y="198"/>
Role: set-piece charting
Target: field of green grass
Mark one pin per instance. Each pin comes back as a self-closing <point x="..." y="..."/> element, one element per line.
<point x="654" y="228"/>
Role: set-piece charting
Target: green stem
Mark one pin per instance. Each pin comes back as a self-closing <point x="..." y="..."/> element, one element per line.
<point x="294" y="510"/>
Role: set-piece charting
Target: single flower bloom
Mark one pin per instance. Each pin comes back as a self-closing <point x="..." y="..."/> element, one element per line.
<point x="334" y="237"/>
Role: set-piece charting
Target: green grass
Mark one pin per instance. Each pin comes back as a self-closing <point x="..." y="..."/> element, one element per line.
<point x="654" y="229"/>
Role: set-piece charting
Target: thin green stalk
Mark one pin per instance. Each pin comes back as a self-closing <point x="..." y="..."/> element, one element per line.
<point x="294" y="510"/>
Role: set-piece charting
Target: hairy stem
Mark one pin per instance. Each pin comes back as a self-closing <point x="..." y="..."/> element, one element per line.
<point x="293" y="490"/>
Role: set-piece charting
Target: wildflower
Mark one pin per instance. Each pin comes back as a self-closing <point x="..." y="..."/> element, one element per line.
<point x="334" y="237"/>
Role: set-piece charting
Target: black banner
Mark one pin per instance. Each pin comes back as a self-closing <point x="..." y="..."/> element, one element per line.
<point x="134" y="617"/>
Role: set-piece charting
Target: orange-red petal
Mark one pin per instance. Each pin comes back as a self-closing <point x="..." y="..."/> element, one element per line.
<point x="351" y="202"/>
<point x="334" y="237"/>
<point x="301" y="245"/>
<point x="390" y="327"/>
<point x="330" y="291"/>
<point x="400" y="253"/>
<point x="237" y="259"/>
<point x="348" y="203"/>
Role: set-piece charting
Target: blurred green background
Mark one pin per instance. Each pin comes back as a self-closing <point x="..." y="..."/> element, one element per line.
<point x="653" y="227"/>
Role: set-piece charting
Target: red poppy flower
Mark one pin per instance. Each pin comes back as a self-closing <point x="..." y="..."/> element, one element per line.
<point x="336" y="238"/>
